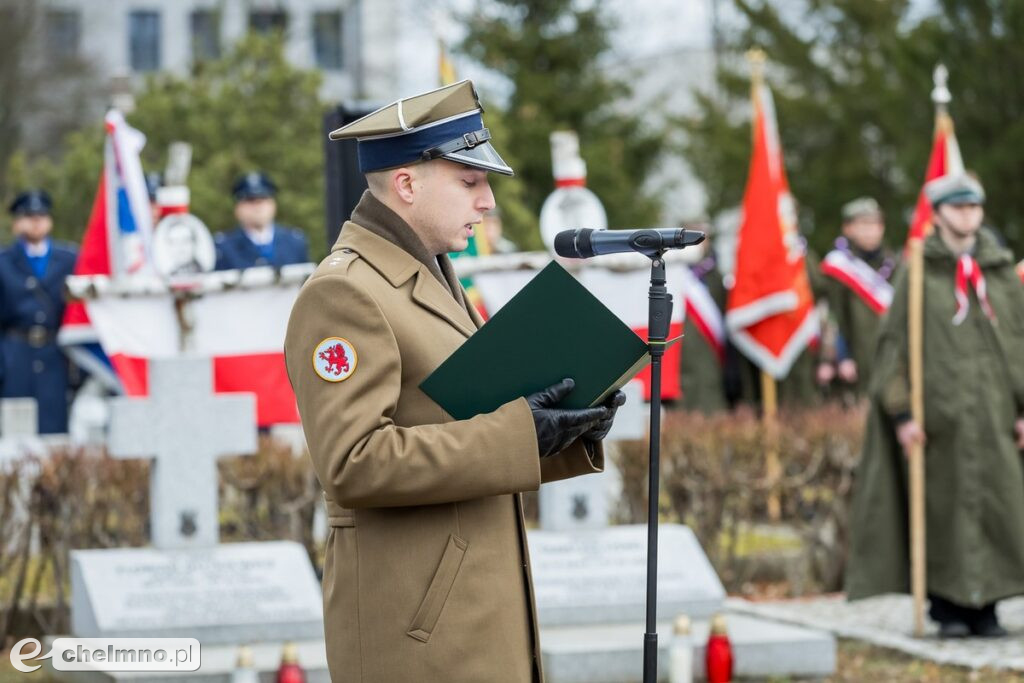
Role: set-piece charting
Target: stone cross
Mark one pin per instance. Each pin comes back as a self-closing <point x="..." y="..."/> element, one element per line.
<point x="19" y="429"/>
<point x="183" y="427"/>
<point x="19" y="441"/>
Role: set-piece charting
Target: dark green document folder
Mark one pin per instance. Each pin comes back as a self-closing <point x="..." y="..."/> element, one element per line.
<point x="552" y="329"/>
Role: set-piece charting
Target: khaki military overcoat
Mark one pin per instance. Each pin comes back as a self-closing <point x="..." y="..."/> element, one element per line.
<point x="426" y="574"/>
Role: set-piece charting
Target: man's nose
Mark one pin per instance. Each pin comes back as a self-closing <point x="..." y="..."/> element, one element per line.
<point x="486" y="199"/>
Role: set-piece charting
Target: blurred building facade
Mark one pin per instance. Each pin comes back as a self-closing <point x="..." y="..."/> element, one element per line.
<point x="352" y="42"/>
<point x="373" y="51"/>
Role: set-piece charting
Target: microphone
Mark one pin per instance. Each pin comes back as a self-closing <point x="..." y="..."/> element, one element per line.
<point x="584" y="243"/>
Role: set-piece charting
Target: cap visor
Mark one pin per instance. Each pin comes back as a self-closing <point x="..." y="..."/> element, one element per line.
<point x="482" y="156"/>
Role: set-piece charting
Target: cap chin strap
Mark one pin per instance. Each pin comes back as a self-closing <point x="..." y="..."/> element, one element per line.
<point x="465" y="141"/>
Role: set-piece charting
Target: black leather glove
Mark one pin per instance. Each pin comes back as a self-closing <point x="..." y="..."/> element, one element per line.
<point x="601" y="429"/>
<point x="558" y="427"/>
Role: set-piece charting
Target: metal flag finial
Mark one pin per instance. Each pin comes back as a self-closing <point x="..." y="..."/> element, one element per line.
<point x="941" y="94"/>
<point x="756" y="59"/>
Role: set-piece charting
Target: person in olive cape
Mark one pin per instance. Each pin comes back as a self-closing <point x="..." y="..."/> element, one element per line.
<point x="973" y="429"/>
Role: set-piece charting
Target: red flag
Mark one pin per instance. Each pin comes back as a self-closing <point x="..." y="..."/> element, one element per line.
<point x="945" y="159"/>
<point x="770" y="312"/>
<point x="77" y="336"/>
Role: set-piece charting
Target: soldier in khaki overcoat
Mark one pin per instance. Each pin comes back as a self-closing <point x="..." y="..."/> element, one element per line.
<point x="426" y="575"/>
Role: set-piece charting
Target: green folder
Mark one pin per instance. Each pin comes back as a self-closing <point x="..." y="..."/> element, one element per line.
<point x="552" y="329"/>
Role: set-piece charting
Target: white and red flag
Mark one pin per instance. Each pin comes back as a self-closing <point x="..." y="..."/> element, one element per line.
<point x="858" y="275"/>
<point x="700" y="307"/>
<point x="116" y="241"/>
<point x="770" y="312"/>
<point x="240" y="328"/>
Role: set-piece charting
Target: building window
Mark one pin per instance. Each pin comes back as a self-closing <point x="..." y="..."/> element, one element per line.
<point x="327" y="32"/>
<point x="205" y="35"/>
<point x="268" y="21"/>
<point x="144" y="40"/>
<point x="63" y="34"/>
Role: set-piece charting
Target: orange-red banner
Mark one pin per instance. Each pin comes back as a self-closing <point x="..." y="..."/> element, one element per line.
<point x="770" y="312"/>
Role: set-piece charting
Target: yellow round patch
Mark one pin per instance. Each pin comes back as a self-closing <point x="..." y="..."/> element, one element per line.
<point x="334" y="359"/>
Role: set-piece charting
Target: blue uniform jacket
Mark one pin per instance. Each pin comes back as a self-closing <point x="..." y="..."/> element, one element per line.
<point x="31" y="310"/>
<point x="236" y="250"/>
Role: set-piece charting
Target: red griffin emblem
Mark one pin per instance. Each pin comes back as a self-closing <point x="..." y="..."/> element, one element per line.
<point x="337" y="361"/>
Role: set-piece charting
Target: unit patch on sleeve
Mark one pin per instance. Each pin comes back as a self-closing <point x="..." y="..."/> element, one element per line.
<point x="334" y="359"/>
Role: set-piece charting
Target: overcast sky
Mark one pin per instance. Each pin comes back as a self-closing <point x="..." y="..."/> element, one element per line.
<point x="645" y="28"/>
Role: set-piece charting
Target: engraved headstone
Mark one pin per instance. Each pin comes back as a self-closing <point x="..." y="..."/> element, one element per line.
<point x="239" y="592"/>
<point x="590" y="588"/>
<point x="595" y="577"/>
<point x="188" y="585"/>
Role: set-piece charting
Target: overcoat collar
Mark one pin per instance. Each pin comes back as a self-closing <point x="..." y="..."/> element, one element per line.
<point x="398" y="266"/>
<point x="988" y="252"/>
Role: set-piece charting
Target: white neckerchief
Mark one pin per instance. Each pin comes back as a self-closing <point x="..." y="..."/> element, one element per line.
<point x="41" y="249"/>
<point x="260" y="237"/>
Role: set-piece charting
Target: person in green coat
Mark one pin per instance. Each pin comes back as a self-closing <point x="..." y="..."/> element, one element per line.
<point x="973" y="429"/>
<point x="800" y="389"/>
<point x="704" y="348"/>
<point x="858" y="290"/>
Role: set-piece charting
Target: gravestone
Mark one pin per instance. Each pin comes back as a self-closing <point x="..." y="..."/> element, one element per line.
<point x="586" y="502"/>
<point x="597" y="577"/>
<point x="235" y="593"/>
<point x="184" y="427"/>
<point x="19" y="446"/>
<point x="187" y="585"/>
<point x="19" y="429"/>
<point x="590" y="589"/>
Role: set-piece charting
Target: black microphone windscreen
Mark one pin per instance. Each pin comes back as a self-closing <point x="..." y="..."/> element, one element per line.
<point x="692" y="237"/>
<point x="565" y="244"/>
<point x="574" y="243"/>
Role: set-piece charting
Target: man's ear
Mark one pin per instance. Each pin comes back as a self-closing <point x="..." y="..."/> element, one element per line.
<point x="402" y="183"/>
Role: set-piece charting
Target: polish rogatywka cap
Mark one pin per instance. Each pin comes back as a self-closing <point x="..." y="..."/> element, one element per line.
<point x="446" y="123"/>
<point x="955" y="188"/>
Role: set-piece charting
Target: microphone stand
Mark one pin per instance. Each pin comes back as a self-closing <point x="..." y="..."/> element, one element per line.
<point x="659" y="315"/>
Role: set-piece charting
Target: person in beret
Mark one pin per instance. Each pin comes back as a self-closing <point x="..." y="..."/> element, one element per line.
<point x="426" y="574"/>
<point x="32" y="273"/>
<point x="858" y="274"/>
<point x="257" y="240"/>
<point x="973" y="431"/>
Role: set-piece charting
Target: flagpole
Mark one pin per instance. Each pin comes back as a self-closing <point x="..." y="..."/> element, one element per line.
<point x="918" y="578"/>
<point x="915" y="339"/>
<point x="769" y="418"/>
